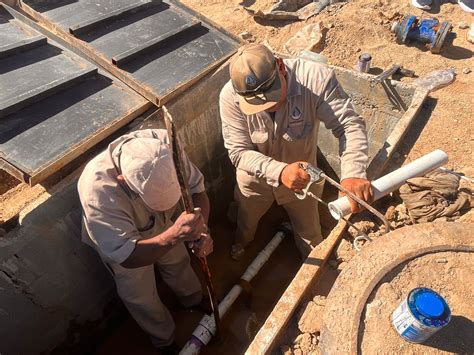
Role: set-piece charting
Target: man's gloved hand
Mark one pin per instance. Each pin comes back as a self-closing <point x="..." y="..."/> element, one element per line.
<point x="204" y="246"/>
<point x="293" y="177"/>
<point x="359" y="187"/>
<point x="187" y="228"/>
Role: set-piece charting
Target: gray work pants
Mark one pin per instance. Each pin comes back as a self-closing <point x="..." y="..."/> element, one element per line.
<point x="304" y="217"/>
<point x="137" y="289"/>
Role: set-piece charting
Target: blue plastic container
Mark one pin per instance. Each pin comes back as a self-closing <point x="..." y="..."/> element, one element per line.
<point x="420" y="315"/>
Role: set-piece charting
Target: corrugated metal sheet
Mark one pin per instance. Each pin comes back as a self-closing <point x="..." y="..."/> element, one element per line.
<point x="54" y="105"/>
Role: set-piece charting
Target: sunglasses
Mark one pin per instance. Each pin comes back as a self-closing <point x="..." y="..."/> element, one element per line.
<point x="262" y="88"/>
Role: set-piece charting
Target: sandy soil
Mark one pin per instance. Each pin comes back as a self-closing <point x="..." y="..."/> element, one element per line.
<point x="445" y="121"/>
<point x="451" y="275"/>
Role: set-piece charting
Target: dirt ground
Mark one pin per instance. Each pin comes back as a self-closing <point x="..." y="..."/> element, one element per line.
<point x="451" y="275"/>
<point x="364" y="26"/>
<point x="351" y="28"/>
<point x="445" y="121"/>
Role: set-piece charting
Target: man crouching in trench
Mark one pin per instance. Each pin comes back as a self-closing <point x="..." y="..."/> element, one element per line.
<point x="129" y="194"/>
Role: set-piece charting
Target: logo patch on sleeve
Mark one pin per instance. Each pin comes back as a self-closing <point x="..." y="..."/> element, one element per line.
<point x="296" y="113"/>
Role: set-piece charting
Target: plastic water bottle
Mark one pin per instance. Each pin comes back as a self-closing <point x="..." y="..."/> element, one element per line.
<point x="436" y="80"/>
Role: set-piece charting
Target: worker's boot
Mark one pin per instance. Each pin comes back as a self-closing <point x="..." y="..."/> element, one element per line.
<point x="422" y="4"/>
<point x="467" y="5"/>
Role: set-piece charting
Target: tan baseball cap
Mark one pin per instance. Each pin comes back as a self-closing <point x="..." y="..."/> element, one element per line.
<point x="255" y="77"/>
<point x="148" y="169"/>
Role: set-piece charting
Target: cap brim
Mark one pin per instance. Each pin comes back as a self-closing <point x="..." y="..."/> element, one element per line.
<point x="255" y="104"/>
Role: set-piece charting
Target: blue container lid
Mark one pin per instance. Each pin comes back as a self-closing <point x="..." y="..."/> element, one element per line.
<point x="429" y="304"/>
<point x="429" y="307"/>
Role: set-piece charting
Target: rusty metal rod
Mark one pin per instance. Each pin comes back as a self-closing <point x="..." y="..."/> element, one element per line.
<point x="188" y="206"/>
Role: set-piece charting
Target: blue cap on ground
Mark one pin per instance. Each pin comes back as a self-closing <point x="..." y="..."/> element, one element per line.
<point x="430" y="304"/>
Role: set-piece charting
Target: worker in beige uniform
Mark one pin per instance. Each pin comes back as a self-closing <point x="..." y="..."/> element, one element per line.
<point x="129" y="195"/>
<point x="270" y="111"/>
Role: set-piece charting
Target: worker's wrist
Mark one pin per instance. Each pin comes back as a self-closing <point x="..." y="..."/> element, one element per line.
<point x="167" y="238"/>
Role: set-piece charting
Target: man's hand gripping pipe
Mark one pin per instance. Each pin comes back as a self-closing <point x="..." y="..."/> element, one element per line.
<point x="316" y="175"/>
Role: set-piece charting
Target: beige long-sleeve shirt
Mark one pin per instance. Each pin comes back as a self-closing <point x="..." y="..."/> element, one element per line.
<point x="114" y="217"/>
<point x="262" y="146"/>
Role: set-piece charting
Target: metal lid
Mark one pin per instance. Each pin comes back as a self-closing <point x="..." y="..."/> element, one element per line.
<point x="430" y="304"/>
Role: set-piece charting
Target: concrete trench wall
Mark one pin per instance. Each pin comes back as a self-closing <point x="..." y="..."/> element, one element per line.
<point x="51" y="285"/>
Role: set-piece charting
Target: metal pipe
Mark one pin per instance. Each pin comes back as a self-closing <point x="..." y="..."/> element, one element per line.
<point x="206" y="328"/>
<point x="390" y="182"/>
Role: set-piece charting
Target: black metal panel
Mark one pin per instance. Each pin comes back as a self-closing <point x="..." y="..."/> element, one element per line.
<point x="103" y="19"/>
<point x="39" y="135"/>
<point x="161" y="45"/>
<point x="53" y="103"/>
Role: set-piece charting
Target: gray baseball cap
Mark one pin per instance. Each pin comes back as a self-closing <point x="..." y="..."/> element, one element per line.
<point x="148" y="169"/>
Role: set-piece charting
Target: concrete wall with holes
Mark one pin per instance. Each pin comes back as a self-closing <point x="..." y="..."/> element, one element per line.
<point x="51" y="285"/>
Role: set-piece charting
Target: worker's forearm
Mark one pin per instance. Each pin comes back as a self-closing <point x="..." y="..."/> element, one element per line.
<point x="202" y="201"/>
<point x="148" y="251"/>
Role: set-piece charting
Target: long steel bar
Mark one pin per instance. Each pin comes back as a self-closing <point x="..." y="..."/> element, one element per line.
<point x="188" y="205"/>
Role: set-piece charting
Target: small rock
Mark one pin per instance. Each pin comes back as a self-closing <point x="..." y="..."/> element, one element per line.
<point x="466" y="70"/>
<point x="330" y="25"/>
<point x="441" y="261"/>
<point x="470" y="34"/>
<point x="311" y="318"/>
<point x="314" y="340"/>
<point x="345" y="251"/>
<point x="463" y="25"/>
<point x="304" y="341"/>
<point x="390" y="214"/>
<point x="373" y="308"/>
<point x="247" y="36"/>
<point x="286" y="350"/>
<point x="320" y="300"/>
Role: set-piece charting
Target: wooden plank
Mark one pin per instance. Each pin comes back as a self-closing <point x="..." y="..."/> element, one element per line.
<point x="132" y="53"/>
<point x="268" y="336"/>
<point x="39" y="93"/>
<point x="103" y="19"/>
<point x="13" y="170"/>
<point x="22" y="45"/>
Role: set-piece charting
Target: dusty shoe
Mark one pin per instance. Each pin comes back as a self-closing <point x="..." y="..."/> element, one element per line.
<point x="237" y="251"/>
<point x="467" y="5"/>
<point x="422" y="4"/>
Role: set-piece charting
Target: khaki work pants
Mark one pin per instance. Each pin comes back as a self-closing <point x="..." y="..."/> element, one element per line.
<point x="304" y="217"/>
<point x="137" y="289"/>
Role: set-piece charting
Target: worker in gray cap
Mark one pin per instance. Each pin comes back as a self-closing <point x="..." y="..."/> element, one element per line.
<point x="129" y="195"/>
<point x="270" y="110"/>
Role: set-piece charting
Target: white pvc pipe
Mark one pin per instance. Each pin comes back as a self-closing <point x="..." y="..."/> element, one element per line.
<point x="390" y="182"/>
<point x="206" y="328"/>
